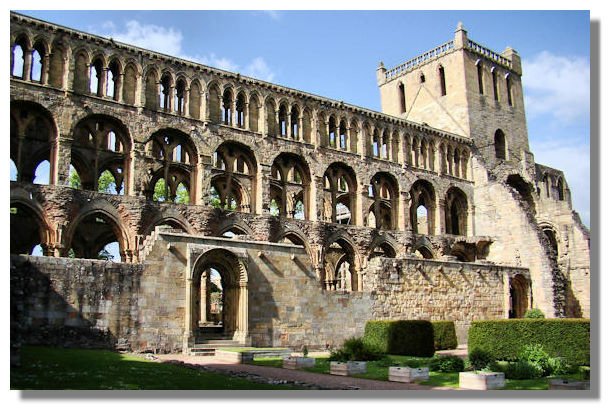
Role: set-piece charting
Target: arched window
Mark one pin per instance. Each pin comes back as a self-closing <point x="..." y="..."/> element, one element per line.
<point x="152" y="97"/>
<point x="500" y="144"/>
<point x="456" y="212"/>
<point x="96" y="77"/>
<point x="81" y="75"/>
<point x="519" y="296"/>
<point x="213" y="104"/>
<point x="233" y="178"/>
<point x="509" y="91"/>
<point x="37" y="68"/>
<point x="227" y="107"/>
<point x="282" y="124"/>
<point x="100" y="144"/>
<point x="423" y="207"/>
<point x="383" y="191"/>
<point x="294" y="123"/>
<point x="254" y="113"/>
<point x="402" y="98"/>
<point x="340" y="194"/>
<point x="494" y="77"/>
<point x="561" y="195"/>
<point x="98" y="236"/>
<point x="130" y="85"/>
<point x="422" y="78"/>
<point x="195" y="99"/>
<point x="240" y="110"/>
<point x="442" y="81"/>
<point x="289" y="185"/>
<point x="180" y="97"/>
<point x="479" y="73"/>
<point x="340" y="267"/>
<point x="165" y="92"/>
<point x="332" y="133"/>
<point x="18" y="60"/>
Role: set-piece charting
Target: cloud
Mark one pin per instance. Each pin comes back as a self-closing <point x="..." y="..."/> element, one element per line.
<point x="573" y="157"/>
<point x="148" y="36"/>
<point x="558" y="86"/>
<point x="170" y="41"/>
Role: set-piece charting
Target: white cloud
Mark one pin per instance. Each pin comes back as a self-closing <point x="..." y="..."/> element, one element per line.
<point x="148" y="36"/>
<point x="558" y="86"/>
<point x="169" y="41"/>
<point x="572" y="157"/>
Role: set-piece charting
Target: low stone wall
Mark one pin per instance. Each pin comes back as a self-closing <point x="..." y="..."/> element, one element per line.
<point x="70" y="302"/>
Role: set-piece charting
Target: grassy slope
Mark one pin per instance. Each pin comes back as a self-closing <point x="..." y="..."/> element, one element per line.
<point x="46" y="368"/>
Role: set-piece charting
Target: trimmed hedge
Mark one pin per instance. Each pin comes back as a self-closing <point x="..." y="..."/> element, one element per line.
<point x="444" y="335"/>
<point x="504" y="339"/>
<point x="402" y="337"/>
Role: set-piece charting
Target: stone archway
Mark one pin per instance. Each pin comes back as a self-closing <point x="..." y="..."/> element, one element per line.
<point x="224" y="270"/>
<point x="519" y="297"/>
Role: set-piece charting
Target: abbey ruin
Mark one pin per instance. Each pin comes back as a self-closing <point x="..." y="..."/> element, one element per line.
<point x="254" y="214"/>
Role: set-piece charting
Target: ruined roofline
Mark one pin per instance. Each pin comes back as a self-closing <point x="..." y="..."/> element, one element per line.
<point x="541" y="168"/>
<point x="338" y="104"/>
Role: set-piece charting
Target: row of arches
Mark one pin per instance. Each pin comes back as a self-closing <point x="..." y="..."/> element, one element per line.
<point x="125" y="80"/>
<point x="495" y="78"/>
<point x="101" y="160"/>
<point x="554" y="187"/>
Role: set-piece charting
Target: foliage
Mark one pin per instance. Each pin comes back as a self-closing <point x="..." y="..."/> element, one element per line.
<point x="105" y="255"/>
<point x="444" y="335"/>
<point x="585" y="372"/>
<point x="522" y="369"/>
<point x="536" y="355"/>
<point x="354" y="349"/>
<point x="74" y="180"/>
<point x="504" y="339"/>
<point x="161" y="193"/>
<point x="106" y="182"/>
<point x="447" y="364"/>
<point x="416" y="363"/>
<point x="534" y="313"/>
<point x="305" y="351"/>
<point x="402" y="337"/>
<point x="480" y="359"/>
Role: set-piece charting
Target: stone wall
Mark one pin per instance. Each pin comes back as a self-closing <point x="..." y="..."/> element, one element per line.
<point x="435" y="290"/>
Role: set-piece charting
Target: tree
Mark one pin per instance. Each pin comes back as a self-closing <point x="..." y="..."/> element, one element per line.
<point x="74" y="180"/>
<point x="105" y="183"/>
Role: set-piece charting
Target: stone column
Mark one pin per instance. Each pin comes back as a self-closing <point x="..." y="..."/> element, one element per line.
<point x="186" y="103"/>
<point x="27" y="64"/>
<point x="189" y="314"/>
<point x="102" y="82"/>
<point x="241" y="331"/>
<point x="45" y="69"/>
<point x="262" y="189"/>
<point x="204" y="312"/>
<point x="246" y="115"/>
<point x="63" y="160"/>
<point x="439" y="216"/>
<point x="338" y="138"/>
<point x="119" y="88"/>
<point x="300" y="128"/>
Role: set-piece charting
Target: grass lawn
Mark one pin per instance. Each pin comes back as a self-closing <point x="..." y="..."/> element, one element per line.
<point x="378" y="370"/>
<point x="45" y="368"/>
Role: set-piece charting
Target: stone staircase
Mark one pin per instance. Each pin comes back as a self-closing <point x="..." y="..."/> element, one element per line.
<point x="209" y="339"/>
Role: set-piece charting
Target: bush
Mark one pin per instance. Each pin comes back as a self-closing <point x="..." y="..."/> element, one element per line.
<point x="534" y="313"/>
<point x="504" y="339"/>
<point x="354" y="349"/>
<point x="402" y="337"/>
<point x="444" y="335"/>
<point x="522" y="370"/>
<point x="585" y="372"/>
<point x="447" y="364"/>
<point x="480" y="359"/>
<point x="416" y="363"/>
<point x="536" y="355"/>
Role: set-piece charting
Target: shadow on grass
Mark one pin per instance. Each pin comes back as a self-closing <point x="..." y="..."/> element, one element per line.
<point x="45" y="368"/>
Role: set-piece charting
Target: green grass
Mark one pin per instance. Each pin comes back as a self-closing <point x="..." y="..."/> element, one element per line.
<point x="45" y="368"/>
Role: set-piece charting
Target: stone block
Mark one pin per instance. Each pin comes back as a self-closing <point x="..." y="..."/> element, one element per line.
<point x="481" y="380"/>
<point x="408" y="374"/>
<point x="564" y="384"/>
<point x="347" y="368"/>
<point x="294" y="362"/>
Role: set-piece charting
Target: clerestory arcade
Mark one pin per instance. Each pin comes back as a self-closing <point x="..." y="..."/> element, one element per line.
<point x="270" y="216"/>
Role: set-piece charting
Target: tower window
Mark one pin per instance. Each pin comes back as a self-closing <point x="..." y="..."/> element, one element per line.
<point x="402" y="98"/>
<point x="479" y="72"/>
<point x="509" y="90"/>
<point x="494" y="76"/>
<point x="442" y="81"/>
<point x="422" y="78"/>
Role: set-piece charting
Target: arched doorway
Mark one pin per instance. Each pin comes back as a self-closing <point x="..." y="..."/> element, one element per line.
<point x="218" y="298"/>
<point x="519" y="297"/>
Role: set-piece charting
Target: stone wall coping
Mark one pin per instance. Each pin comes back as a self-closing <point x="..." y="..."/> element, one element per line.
<point x="437" y="262"/>
<point x="187" y="238"/>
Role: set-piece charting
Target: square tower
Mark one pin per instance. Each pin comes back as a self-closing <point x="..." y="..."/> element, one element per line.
<point x="467" y="89"/>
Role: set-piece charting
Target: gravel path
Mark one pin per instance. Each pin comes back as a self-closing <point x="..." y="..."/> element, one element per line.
<point x="301" y="378"/>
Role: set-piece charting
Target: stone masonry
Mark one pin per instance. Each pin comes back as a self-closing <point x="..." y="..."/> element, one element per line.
<point x="248" y="212"/>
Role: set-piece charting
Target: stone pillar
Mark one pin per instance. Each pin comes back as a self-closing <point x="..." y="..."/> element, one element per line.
<point x="186" y="104"/>
<point x="246" y="115"/>
<point x="27" y="64"/>
<point x="300" y="128"/>
<point x="63" y="160"/>
<point x="262" y="202"/>
<point x="204" y="312"/>
<point x="119" y="88"/>
<point x="188" y="340"/>
<point x="102" y="82"/>
<point x="45" y="69"/>
<point x="241" y="331"/>
<point x="338" y="138"/>
<point x="439" y="216"/>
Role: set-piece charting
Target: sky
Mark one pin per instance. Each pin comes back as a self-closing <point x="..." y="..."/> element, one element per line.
<point x="335" y="54"/>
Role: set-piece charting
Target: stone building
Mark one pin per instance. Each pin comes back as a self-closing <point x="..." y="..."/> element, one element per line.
<point x="252" y="213"/>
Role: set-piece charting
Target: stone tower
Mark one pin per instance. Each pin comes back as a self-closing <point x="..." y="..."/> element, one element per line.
<point x="465" y="88"/>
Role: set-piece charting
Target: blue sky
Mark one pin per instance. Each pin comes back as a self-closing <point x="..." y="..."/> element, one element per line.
<point x="335" y="54"/>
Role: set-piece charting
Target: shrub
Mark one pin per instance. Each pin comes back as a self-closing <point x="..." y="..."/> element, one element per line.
<point x="416" y="363"/>
<point x="444" y="335"/>
<point x="402" y="337"/>
<point x="534" y="313"/>
<point x="480" y="359"/>
<point x="447" y="364"/>
<point x="585" y="372"/>
<point x="522" y="370"/>
<point x="354" y="349"/>
<point x="536" y="355"/>
<point x="504" y="339"/>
